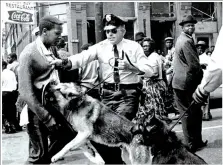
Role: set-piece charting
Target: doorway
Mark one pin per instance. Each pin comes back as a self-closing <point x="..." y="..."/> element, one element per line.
<point x="159" y="31"/>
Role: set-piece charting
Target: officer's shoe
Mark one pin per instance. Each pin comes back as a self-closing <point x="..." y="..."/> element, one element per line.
<point x="207" y="116"/>
<point x="198" y="147"/>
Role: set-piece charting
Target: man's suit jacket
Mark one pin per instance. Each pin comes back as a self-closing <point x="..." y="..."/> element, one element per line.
<point x="187" y="72"/>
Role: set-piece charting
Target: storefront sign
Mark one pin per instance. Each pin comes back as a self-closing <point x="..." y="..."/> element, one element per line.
<point x="19" y="12"/>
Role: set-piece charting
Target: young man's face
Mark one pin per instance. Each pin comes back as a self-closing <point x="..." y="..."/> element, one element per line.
<point x="115" y="35"/>
<point x="53" y="36"/>
<point x="188" y="28"/>
<point x="169" y="44"/>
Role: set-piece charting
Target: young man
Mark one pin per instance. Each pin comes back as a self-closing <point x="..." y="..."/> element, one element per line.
<point x="187" y="74"/>
<point x="34" y="74"/>
<point x="120" y="62"/>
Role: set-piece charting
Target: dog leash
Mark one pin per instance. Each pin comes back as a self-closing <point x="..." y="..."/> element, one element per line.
<point x="99" y="83"/>
<point x="192" y="103"/>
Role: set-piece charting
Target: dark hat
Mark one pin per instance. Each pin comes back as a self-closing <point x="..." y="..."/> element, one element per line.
<point x="188" y="19"/>
<point x="169" y="38"/>
<point x="85" y="46"/>
<point x="61" y="42"/>
<point x="139" y="36"/>
<point x="202" y="43"/>
<point x="111" y="21"/>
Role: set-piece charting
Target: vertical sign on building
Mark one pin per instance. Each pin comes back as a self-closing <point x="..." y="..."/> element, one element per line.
<point x="19" y="12"/>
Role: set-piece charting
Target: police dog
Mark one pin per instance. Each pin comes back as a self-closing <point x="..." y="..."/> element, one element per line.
<point x="166" y="148"/>
<point x="95" y="121"/>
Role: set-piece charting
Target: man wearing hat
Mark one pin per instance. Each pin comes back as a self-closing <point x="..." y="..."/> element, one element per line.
<point x="139" y="36"/>
<point x="187" y="74"/>
<point x="34" y="75"/>
<point x="120" y="62"/>
<point x="169" y="58"/>
<point x="168" y="65"/>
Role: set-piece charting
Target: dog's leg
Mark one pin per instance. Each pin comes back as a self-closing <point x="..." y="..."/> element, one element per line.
<point x="75" y="143"/>
<point x="91" y="153"/>
<point x="125" y="155"/>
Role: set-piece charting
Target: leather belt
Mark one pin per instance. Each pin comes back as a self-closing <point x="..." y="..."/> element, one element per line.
<point x="118" y="87"/>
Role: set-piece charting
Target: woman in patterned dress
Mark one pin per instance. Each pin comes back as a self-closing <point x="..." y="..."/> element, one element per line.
<point x="154" y="87"/>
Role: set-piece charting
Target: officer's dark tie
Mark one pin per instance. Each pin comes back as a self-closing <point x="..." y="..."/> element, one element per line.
<point x="116" y="70"/>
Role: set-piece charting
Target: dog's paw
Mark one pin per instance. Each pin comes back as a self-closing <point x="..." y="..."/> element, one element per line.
<point x="56" y="158"/>
<point x="98" y="159"/>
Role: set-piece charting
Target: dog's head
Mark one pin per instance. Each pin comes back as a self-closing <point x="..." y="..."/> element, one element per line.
<point x="63" y="95"/>
<point x="151" y="127"/>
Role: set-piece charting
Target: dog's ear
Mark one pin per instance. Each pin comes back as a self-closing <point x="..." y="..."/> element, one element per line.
<point x="137" y="129"/>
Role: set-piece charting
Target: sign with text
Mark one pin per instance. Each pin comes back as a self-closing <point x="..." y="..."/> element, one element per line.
<point x="19" y="12"/>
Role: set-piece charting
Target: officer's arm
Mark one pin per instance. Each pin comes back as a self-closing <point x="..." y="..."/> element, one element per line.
<point x="78" y="60"/>
<point x="83" y="58"/>
<point x="213" y="74"/>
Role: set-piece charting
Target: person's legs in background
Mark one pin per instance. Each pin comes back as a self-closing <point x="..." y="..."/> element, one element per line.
<point x="191" y="121"/>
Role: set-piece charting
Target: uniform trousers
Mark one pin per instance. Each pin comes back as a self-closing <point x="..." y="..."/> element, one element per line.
<point x="192" y="120"/>
<point x="124" y="102"/>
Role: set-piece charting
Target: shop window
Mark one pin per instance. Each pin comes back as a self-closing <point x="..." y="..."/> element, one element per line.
<point x="162" y="9"/>
<point x="203" y="10"/>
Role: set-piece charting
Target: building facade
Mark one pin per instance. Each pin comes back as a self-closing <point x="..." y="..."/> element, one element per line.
<point x="156" y="19"/>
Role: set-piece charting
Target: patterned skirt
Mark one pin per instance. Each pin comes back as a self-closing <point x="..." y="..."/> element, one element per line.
<point x="156" y="92"/>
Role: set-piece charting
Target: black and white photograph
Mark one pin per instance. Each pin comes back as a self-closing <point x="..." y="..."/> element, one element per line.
<point x="111" y="82"/>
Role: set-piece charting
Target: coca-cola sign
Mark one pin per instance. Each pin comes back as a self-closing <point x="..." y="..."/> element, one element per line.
<point x="20" y="16"/>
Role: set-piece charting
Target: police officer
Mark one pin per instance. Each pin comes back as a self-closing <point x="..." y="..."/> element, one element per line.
<point x="212" y="78"/>
<point x="120" y="62"/>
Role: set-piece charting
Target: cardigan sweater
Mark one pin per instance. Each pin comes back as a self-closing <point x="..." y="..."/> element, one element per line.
<point x="34" y="72"/>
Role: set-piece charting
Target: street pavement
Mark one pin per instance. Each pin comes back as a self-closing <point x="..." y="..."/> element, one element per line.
<point x="15" y="146"/>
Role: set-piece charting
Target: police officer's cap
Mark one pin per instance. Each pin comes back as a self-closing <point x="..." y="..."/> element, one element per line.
<point x="111" y="21"/>
<point x="188" y="19"/>
<point x="169" y="38"/>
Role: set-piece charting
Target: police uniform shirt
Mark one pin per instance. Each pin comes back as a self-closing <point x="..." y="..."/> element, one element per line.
<point x="104" y="53"/>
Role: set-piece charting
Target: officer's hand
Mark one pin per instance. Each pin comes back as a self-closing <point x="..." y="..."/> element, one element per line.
<point x="57" y="62"/>
<point x="123" y="65"/>
<point x="200" y="97"/>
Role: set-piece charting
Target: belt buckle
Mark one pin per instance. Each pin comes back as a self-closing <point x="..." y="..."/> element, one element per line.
<point x="117" y="86"/>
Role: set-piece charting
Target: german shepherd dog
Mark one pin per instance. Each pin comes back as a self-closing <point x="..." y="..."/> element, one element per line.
<point x="94" y="121"/>
<point x="166" y="148"/>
